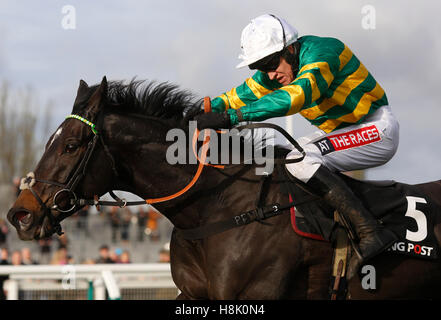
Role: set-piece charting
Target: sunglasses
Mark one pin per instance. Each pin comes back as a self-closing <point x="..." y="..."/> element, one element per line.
<point x="267" y="64"/>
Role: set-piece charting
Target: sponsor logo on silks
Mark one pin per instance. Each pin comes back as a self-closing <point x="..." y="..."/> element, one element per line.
<point x="412" y="249"/>
<point x="349" y="139"/>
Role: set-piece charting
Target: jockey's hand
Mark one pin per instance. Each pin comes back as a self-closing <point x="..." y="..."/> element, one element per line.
<point x="213" y="120"/>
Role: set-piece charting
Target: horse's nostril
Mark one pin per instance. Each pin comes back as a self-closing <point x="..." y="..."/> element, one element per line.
<point x="23" y="216"/>
<point x="22" y="219"/>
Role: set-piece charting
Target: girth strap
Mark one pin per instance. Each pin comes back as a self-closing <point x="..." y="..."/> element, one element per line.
<point x="258" y="214"/>
<point x="236" y="221"/>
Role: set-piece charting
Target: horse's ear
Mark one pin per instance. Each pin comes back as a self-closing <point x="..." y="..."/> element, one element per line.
<point x="82" y="91"/>
<point x="96" y="100"/>
<point x="83" y="87"/>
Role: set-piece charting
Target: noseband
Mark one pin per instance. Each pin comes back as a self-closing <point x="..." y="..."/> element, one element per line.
<point x="29" y="181"/>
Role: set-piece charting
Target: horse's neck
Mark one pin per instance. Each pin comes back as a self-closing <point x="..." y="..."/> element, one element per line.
<point x="139" y="147"/>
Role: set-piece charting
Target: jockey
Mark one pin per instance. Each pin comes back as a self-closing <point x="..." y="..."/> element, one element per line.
<point x="321" y="79"/>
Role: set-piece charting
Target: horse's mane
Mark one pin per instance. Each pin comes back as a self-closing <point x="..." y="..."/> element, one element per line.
<point x="164" y="101"/>
<point x="161" y="100"/>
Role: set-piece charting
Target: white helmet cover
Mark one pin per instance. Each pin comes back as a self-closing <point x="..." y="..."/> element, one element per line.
<point x="263" y="36"/>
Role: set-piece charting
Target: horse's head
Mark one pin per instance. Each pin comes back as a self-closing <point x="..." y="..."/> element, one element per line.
<point x="61" y="175"/>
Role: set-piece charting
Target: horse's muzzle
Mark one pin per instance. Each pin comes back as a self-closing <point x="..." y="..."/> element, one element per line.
<point x="23" y="220"/>
<point x="26" y="224"/>
<point x="20" y="218"/>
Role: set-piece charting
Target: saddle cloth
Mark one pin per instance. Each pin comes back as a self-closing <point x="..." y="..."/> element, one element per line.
<point x="402" y="208"/>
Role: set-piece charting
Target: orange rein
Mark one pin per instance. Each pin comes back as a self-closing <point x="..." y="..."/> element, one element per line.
<point x="204" y="151"/>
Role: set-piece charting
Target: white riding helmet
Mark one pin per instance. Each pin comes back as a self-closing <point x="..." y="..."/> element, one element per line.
<point x="263" y="36"/>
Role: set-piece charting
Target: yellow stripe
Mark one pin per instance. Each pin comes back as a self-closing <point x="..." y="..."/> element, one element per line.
<point x="330" y="125"/>
<point x="360" y="110"/>
<point x="296" y="91"/>
<point x="258" y="90"/>
<point x="315" y="94"/>
<point x="364" y="105"/>
<point x="225" y="100"/>
<point x="314" y="112"/>
<point x="297" y="97"/>
<point x="234" y="99"/>
<point x="350" y="83"/>
<point x="340" y="94"/>
<point x="344" y="57"/>
<point x="324" y="70"/>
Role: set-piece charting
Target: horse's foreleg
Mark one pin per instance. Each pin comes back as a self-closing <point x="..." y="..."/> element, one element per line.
<point x="186" y="269"/>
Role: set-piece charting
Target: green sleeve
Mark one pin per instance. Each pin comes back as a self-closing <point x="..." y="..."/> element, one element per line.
<point x="251" y="90"/>
<point x="217" y="105"/>
<point x="272" y="105"/>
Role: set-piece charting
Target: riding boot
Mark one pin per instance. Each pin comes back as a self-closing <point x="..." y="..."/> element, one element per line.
<point x="374" y="238"/>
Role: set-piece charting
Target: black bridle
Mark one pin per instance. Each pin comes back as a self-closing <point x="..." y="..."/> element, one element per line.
<point x="69" y="188"/>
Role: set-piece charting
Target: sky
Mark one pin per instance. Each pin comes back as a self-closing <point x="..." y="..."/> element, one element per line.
<point x="195" y="44"/>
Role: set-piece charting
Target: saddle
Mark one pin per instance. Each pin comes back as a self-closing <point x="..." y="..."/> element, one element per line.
<point x="402" y="208"/>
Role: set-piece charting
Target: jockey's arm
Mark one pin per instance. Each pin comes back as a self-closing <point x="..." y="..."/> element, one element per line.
<point x="250" y="91"/>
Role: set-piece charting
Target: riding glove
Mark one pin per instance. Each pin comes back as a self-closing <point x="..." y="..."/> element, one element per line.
<point x="213" y="120"/>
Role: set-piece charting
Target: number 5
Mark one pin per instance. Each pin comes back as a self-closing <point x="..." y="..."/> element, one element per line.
<point x="419" y="217"/>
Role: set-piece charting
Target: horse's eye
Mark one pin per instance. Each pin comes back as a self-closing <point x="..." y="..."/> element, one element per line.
<point x="70" y="148"/>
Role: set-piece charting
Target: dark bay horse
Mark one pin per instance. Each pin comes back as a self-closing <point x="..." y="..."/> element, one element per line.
<point x="254" y="261"/>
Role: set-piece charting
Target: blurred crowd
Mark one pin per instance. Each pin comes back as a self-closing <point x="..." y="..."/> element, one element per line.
<point x="123" y="256"/>
<point x="120" y="221"/>
<point x="61" y="256"/>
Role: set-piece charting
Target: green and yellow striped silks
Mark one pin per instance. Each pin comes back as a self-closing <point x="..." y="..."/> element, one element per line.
<point x="250" y="91"/>
<point x="333" y="89"/>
